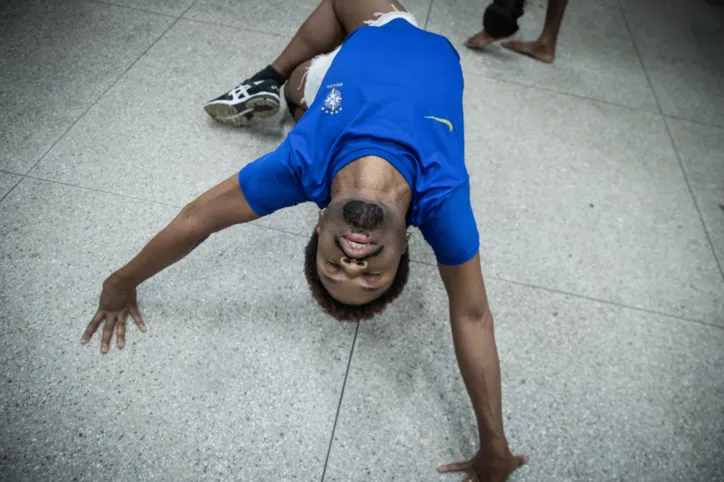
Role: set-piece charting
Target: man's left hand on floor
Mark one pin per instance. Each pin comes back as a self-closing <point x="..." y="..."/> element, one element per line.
<point x="486" y="468"/>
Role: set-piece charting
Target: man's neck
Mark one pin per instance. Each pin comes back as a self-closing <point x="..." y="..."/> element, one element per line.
<point x="373" y="179"/>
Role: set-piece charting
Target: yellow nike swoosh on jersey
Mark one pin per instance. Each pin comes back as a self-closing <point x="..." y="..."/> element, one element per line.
<point x="444" y="121"/>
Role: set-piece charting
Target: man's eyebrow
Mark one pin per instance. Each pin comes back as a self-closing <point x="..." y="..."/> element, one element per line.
<point x="331" y="280"/>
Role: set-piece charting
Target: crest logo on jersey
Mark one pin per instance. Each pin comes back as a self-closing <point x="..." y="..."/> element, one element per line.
<point x="333" y="102"/>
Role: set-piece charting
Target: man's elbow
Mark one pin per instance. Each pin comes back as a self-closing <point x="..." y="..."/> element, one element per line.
<point x="479" y="317"/>
<point x="191" y="222"/>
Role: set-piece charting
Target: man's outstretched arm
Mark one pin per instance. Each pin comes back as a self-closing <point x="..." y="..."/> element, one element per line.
<point x="222" y="206"/>
<point x="477" y="355"/>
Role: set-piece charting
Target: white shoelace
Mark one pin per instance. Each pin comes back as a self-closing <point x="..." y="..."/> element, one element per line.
<point x="244" y="89"/>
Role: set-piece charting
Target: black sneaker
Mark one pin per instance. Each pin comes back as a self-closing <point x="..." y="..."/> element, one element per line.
<point x="253" y="98"/>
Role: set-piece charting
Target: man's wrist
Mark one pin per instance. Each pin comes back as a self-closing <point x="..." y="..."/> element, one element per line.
<point x="120" y="279"/>
<point x="494" y="444"/>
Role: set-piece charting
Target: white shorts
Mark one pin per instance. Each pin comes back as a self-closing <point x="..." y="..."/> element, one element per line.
<point x="321" y="63"/>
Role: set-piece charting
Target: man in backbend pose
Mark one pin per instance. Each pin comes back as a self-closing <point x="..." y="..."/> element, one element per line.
<point x="378" y="146"/>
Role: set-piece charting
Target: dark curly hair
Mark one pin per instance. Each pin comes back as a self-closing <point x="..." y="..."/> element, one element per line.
<point x="342" y="311"/>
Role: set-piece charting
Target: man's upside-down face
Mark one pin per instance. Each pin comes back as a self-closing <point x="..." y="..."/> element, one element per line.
<point x="356" y="262"/>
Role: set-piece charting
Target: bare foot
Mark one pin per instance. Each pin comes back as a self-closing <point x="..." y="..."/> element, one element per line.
<point x="545" y="52"/>
<point x="480" y="40"/>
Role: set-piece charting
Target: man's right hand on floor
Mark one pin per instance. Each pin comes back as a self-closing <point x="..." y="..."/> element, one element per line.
<point x="220" y="207"/>
<point x="116" y="303"/>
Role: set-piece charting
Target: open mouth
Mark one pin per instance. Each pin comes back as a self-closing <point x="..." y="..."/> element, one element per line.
<point x="357" y="245"/>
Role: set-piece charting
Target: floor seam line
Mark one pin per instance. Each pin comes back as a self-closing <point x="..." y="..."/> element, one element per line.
<point x="339" y="404"/>
<point x="697" y="122"/>
<point x="679" y="160"/>
<point x="150" y="201"/>
<point x="110" y="193"/>
<point x="567" y="94"/>
<point x="429" y="14"/>
<point x="421" y="262"/>
<point x="113" y="84"/>
<point x="589" y="298"/>
<point x="195" y="20"/>
<point x="5" y="171"/>
<point x="137" y="9"/>
<point x="694" y="200"/>
<point x="235" y="27"/>
<point x="11" y="189"/>
<point x="612" y="303"/>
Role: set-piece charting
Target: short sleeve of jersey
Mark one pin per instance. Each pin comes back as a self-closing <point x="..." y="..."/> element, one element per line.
<point x="451" y="230"/>
<point x="271" y="183"/>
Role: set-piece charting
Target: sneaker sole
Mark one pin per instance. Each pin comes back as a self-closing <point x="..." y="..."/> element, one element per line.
<point x="265" y="106"/>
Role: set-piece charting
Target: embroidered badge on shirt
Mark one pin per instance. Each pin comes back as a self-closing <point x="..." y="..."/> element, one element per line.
<point x="333" y="102"/>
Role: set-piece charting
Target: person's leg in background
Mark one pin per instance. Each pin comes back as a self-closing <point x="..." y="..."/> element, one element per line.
<point x="544" y="48"/>
<point x="323" y="31"/>
<point x="500" y="20"/>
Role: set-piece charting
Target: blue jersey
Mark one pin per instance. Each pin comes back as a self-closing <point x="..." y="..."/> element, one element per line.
<point x="394" y="92"/>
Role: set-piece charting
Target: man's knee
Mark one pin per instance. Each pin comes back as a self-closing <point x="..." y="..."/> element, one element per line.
<point x="294" y="88"/>
<point x="353" y="14"/>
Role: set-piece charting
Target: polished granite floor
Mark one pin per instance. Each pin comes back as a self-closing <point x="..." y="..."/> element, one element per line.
<point x="598" y="184"/>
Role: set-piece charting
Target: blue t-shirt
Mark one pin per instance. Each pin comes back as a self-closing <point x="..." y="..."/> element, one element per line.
<point x="395" y="92"/>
